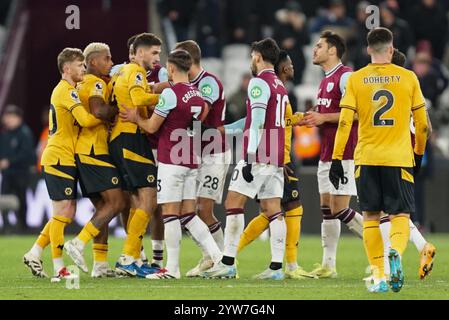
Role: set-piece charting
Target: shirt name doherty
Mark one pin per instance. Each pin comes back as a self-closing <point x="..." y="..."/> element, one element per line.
<point x="381" y="79"/>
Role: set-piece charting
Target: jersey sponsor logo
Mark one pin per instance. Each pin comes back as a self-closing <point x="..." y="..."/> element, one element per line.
<point x="161" y="102"/>
<point x="324" y="102"/>
<point x="206" y="90"/>
<point x="139" y="79"/>
<point x="256" y="92"/>
<point x="75" y="96"/>
<point x="330" y="86"/>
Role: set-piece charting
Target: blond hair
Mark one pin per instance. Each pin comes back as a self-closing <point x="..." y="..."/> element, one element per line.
<point x="94" y="47"/>
<point x="69" y="55"/>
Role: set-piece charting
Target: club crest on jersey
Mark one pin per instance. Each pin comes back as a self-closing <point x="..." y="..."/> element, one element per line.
<point x="206" y="90"/>
<point x="68" y="191"/>
<point x="150" y="178"/>
<point x="256" y="92"/>
<point x="74" y="96"/>
<point x="114" y="180"/>
<point x="330" y="86"/>
<point x="295" y="193"/>
<point x="139" y="79"/>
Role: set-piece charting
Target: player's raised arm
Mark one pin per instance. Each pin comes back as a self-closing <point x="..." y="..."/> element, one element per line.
<point x="159" y="87"/>
<point x="81" y="115"/>
<point x="139" y="96"/>
<point x="102" y="110"/>
<point x="296" y="118"/>
<point x="313" y="118"/>
<point x="167" y="101"/>
<point x="84" y="118"/>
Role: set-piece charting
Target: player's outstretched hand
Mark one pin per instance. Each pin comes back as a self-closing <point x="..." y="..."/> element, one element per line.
<point x="129" y="115"/>
<point x="336" y="174"/>
<point x="313" y="119"/>
<point x="417" y="167"/>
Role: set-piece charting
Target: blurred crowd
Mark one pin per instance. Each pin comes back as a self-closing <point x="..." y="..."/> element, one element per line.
<point x="420" y="29"/>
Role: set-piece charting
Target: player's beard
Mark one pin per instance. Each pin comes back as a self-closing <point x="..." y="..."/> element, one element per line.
<point x="78" y="77"/>
<point x="253" y="69"/>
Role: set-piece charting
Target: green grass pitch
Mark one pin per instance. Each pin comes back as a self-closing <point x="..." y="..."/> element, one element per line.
<point x="16" y="282"/>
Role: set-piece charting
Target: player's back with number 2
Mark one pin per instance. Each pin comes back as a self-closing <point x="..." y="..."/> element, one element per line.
<point x="383" y="95"/>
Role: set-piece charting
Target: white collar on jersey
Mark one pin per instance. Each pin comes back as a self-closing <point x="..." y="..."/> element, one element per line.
<point x="198" y="76"/>
<point x="265" y="70"/>
<point x="331" y="72"/>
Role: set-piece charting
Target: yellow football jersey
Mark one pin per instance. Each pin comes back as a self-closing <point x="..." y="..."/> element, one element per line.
<point x="383" y="95"/>
<point x="288" y="133"/>
<point x="130" y="90"/>
<point x="290" y="120"/>
<point x="94" y="137"/>
<point x="63" y="130"/>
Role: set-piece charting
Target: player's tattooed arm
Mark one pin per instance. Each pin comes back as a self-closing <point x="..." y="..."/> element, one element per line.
<point x="83" y="117"/>
<point x="102" y="110"/>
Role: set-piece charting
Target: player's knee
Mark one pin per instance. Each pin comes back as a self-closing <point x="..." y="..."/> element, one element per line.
<point x="67" y="209"/>
<point x="271" y="207"/>
<point x="205" y="210"/>
<point x="117" y="206"/>
<point x="291" y="205"/>
<point x="233" y="202"/>
<point x="150" y="207"/>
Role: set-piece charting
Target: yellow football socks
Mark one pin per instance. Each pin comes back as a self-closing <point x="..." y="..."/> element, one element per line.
<point x="136" y="229"/>
<point x="253" y="230"/>
<point x="374" y="247"/>
<point x="399" y="233"/>
<point x="57" y="226"/>
<point x="130" y="217"/>
<point x="44" y="238"/>
<point x="100" y="252"/>
<point x="293" y="221"/>
<point x="88" y="233"/>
